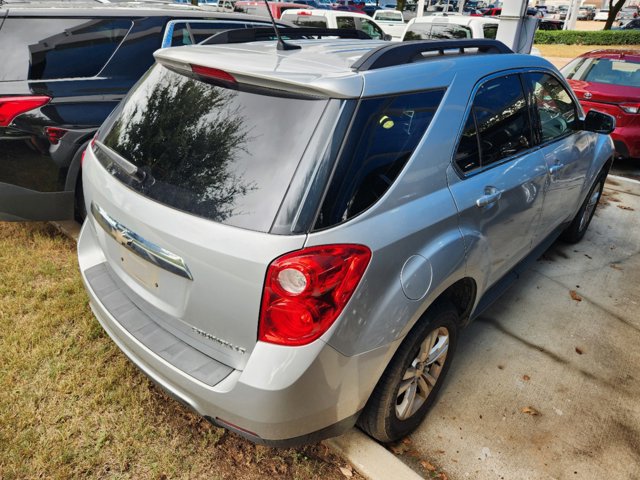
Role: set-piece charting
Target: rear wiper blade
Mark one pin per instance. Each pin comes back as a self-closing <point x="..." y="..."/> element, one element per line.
<point x="123" y="164"/>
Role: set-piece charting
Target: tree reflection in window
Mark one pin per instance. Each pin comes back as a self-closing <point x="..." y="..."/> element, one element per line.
<point x="184" y="135"/>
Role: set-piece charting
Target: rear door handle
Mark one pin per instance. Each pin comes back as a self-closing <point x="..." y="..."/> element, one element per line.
<point x="491" y="195"/>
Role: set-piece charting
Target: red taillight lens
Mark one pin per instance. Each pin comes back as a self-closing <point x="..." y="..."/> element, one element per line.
<point x="213" y="73"/>
<point x="305" y="291"/>
<point x="54" y="134"/>
<point x="630" y="107"/>
<point x="11" y="107"/>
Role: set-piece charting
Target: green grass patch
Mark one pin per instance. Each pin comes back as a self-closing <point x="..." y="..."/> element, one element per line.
<point x="73" y="406"/>
<point x="576" y="37"/>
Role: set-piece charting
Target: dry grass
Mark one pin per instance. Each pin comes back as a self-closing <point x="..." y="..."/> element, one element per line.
<point x="72" y="405"/>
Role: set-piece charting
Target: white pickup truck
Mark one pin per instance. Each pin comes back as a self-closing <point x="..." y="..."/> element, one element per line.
<point x="317" y="18"/>
<point x="392" y="22"/>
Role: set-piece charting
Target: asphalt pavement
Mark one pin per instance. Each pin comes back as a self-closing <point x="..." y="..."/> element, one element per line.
<point x="546" y="383"/>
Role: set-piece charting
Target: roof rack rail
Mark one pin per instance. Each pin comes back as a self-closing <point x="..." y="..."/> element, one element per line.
<point x="244" y="35"/>
<point x="407" y="52"/>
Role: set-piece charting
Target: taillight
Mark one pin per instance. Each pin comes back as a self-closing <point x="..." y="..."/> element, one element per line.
<point x="11" y="107"/>
<point x="630" y="107"/>
<point x="305" y="291"/>
<point x="84" y="152"/>
<point x="213" y="73"/>
<point x="54" y="134"/>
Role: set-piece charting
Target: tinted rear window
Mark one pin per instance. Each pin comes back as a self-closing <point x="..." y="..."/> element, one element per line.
<point x="384" y="133"/>
<point x="43" y="49"/>
<point x="222" y="154"/>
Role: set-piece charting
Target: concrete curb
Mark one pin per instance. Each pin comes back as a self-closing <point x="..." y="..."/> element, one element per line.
<point x="369" y="458"/>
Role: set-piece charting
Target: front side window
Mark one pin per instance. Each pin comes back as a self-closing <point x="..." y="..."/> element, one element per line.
<point x="384" y="134"/>
<point x="418" y="31"/>
<point x="499" y="117"/>
<point x="371" y="29"/>
<point x="556" y="113"/>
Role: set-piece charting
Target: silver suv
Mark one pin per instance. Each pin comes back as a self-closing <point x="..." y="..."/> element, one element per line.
<point x="289" y="241"/>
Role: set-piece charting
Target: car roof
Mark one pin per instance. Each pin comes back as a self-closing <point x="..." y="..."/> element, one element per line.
<point x="328" y="67"/>
<point x="455" y="19"/>
<point x="614" y="53"/>
<point x="125" y="9"/>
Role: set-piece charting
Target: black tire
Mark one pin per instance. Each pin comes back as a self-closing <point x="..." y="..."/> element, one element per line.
<point x="580" y="223"/>
<point x="380" y="417"/>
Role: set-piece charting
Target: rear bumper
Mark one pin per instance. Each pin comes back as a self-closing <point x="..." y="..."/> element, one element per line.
<point x="284" y="396"/>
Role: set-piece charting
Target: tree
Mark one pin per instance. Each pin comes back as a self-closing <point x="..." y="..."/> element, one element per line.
<point x="614" y="8"/>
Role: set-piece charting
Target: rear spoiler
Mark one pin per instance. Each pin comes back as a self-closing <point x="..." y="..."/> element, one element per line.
<point x="245" y="35"/>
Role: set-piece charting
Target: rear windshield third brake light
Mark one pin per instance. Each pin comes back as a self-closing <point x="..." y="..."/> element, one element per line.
<point x="213" y="73"/>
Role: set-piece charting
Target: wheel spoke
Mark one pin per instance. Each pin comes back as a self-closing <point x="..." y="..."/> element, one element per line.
<point x="405" y="385"/>
<point x="440" y="348"/>
<point x="410" y="373"/>
<point x="427" y="345"/>
<point x="430" y="379"/>
<point x="404" y="410"/>
<point x="423" y="386"/>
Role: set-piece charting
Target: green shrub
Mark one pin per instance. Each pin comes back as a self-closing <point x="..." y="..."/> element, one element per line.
<point x="573" y="37"/>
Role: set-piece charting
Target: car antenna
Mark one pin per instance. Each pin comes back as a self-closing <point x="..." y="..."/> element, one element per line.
<point x="282" y="45"/>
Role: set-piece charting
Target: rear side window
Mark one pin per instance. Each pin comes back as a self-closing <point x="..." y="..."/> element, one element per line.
<point x="43" y="49"/>
<point x="348" y="23"/>
<point x="382" y="138"/>
<point x="222" y="154"/>
<point x="190" y="33"/>
<point x="499" y="123"/>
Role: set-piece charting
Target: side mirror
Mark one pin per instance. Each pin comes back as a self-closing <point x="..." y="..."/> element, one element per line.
<point x="387" y="37"/>
<point x="599" y="122"/>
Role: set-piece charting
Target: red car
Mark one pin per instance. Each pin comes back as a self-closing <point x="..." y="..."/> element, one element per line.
<point x="609" y="81"/>
<point x="258" y="8"/>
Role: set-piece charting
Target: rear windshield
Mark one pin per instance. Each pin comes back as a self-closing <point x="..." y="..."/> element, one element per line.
<point x="48" y="48"/>
<point x="438" y="31"/>
<point x="226" y="155"/>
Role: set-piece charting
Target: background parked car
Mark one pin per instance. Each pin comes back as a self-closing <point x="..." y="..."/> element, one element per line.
<point x="452" y="26"/>
<point x="392" y="22"/>
<point x="336" y="19"/>
<point x="630" y="25"/>
<point x="63" y="70"/>
<point x="253" y="7"/>
<point x="609" y="81"/>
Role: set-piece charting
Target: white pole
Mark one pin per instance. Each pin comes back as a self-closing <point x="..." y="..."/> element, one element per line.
<point x="512" y="24"/>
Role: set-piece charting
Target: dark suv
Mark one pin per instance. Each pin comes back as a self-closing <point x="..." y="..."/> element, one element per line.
<point x="63" y="71"/>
